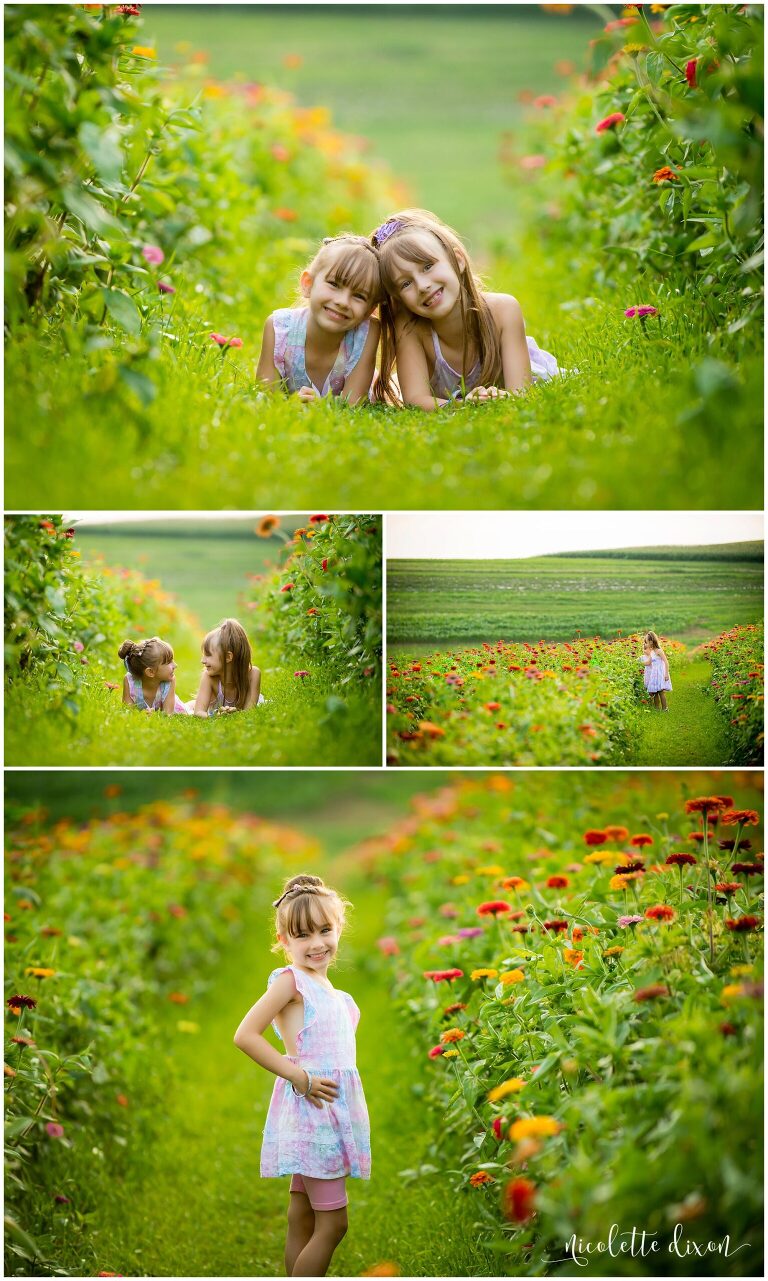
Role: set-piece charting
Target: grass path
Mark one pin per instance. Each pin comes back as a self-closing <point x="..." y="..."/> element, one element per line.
<point x="199" y="1207"/>
<point x="692" y="732"/>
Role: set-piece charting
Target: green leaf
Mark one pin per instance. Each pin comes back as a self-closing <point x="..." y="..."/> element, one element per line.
<point x="88" y="210"/>
<point x="102" y="146"/>
<point x="123" y="311"/>
<point x="143" y="386"/>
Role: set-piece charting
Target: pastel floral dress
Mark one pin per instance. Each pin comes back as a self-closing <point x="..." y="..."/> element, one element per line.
<point x="136" y="692"/>
<point x="334" y="1140"/>
<point x="290" y="325"/>
<point x="653" y="676"/>
<point x="445" y="382"/>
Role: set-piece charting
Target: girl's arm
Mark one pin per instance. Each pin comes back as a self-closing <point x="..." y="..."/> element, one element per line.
<point x="358" y="384"/>
<point x="249" y="1038"/>
<point x="516" y="362"/>
<point x="254" y="689"/>
<point x="413" y="370"/>
<point x="127" y="700"/>
<point x="169" y="702"/>
<point x="666" y="664"/>
<point x="265" y="370"/>
<point x="205" y="696"/>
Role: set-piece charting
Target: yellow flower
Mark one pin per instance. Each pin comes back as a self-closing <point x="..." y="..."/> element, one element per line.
<point x="730" y="991"/>
<point x="450" y="1054"/>
<point x="534" y="1127"/>
<point x="144" y="51"/>
<point x="460" y="880"/>
<point x="492" y="870"/>
<point x="512" y="976"/>
<point x="634" y="48"/>
<point x="38" y="973"/>
<point x="613" y="951"/>
<point x="662" y="815"/>
<point x="477" y="676"/>
<point x="512" y="1086"/>
<point x="618" y="883"/>
<point x="599" y="856"/>
<point x="483" y="974"/>
<point x="738" y="971"/>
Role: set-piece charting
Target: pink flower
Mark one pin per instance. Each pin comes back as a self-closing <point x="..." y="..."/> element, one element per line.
<point x="641" y="311"/>
<point x="78" y="647"/>
<point x="610" y="122"/>
<point x="545" y="100"/>
<point x="388" y="945"/>
<point x="532" y="162"/>
<point x="280" y="152"/>
<point x="54" y="1130"/>
<point x="301" y="675"/>
<point x="153" y="254"/>
<point x="690" y="73"/>
<point x="164" y="288"/>
<point x="226" y="342"/>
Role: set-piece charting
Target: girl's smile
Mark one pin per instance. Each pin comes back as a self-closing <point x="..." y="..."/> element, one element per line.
<point x="333" y="306"/>
<point x="315" y="948"/>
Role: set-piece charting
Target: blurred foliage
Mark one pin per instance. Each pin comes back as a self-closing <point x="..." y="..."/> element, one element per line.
<point x="738" y="688"/>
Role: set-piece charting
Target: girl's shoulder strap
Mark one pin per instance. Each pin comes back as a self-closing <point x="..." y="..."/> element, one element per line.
<point x="354" y="344"/>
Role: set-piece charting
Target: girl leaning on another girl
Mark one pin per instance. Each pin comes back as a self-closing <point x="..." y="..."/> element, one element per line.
<point x="443" y="337"/>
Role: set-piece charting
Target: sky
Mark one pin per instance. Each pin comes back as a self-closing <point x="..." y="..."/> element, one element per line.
<point x="512" y="535"/>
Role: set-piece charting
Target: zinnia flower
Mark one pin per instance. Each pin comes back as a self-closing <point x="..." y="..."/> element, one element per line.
<point x="593" y="837"/>
<point x="470" y="932"/>
<point x="512" y="1086"/>
<point x="650" y="993"/>
<point x="54" y="1130"/>
<point x="645" y="310"/>
<point x="224" y="342"/>
<point x="443" y="976"/>
<point x="642" y="838"/>
<point x="625" y="921"/>
<point x="483" y="974"/>
<point x="730" y="817"/>
<point x="301" y="674"/>
<point x="267" y="525"/>
<point x="511" y="976"/>
<point x="495" y="907"/>
<point x="616" y="833"/>
<point x="519" y="1200"/>
<point x="665" y="174"/>
<point x="727" y="887"/>
<point x="514" y="883"/>
<point x="535" y="1127"/>
<point x="690" y="72"/>
<point x="743" y="924"/>
<point x="165" y="288"/>
<point x="451" y="1034"/>
<point x="481" y="1178"/>
<point x="287" y="587"/>
<point x="747" y="869"/>
<point x="680" y="860"/>
<point x="435" y="1052"/>
<point x="705" y="805"/>
<point x="660" y="912"/>
<point x="610" y="122"/>
<point x="557" y="882"/>
<point x="555" y="926"/>
<point x="153" y="253"/>
<point x="18" y="1003"/>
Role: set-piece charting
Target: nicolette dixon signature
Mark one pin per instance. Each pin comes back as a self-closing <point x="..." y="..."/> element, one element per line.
<point x="639" y="1243"/>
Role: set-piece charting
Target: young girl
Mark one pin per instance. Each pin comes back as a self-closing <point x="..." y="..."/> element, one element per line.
<point x="328" y="345"/>
<point x="450" y="338"/>
<point x="656" y="674"/>
<point x="149" y="681"/>
<point x="317" y="1127"/>
<point x="230" y="683"/>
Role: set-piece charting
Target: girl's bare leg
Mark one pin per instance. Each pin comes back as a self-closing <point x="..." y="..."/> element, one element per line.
<point x="315" y="1258"/>
<point x="301" y="1225"/>
<point x="663" y="698"/>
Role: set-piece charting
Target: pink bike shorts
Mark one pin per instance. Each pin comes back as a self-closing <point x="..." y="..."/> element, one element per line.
<point x="324" y="1194"/>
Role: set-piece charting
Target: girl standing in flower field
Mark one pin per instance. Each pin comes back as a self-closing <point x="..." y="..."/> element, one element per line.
<point x="328" y="345"/>
<point x="149" y="682"/>
<point x="450" y="339"/>
<point x="317" y="1127"/>
<point x="656" y="675"/>
<point x="230" y="682"/>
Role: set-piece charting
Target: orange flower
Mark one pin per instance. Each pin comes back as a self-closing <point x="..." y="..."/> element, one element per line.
<point x="451" y="1035"/>
<point x="431" y="730"/>
<point x="617" y="833"/>
<point x="480" y="1179"/>
<point x="285" y="215"/>
<point x="267" y="525"/>
<point x="665" y="174"/>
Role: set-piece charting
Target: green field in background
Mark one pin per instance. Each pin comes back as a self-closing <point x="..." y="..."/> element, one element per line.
<point x="202" y="563"/>
<point x="432" y="87"/>
<point x="555" y="597"/>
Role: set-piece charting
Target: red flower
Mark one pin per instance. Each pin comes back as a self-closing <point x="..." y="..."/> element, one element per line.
<point x="443" y="976"/>
<point x="492" y="707"/>
<point x="519" y="1200"/>
<point x="727" y="1029"/>
<point x="727" y="887"/>
<point x="610" y="122"/>
<point x="747" y="869"/>
<point x="705" y="805"/>
<point x="47" y="526"/>
<point x="593" y="837"/>
<point x="69" y="533"/>
<point x="318" y="520"/>
<point x="17" y="1003"/>
<point x="495" y="907"/>
<point x="455" y="1007"/>
<point x="324" y="565"/>
<point x="642" y="838"/>
<point x="748" y="817"/>
<point x="436" y="1051"/>
<point x="301" y="674"/>
<point x="650" y="993"/>
<point x="497" y="1126"/>
<point x="680" y="860"/>
<point x="660" y="912"/>
<point x="287" y="587"/>
<point x="225" y="342"/>
<point x="556" y="926"/>
<point x="557" y="882"/>
<point x="128" y="10"/>
<point x="743" y="924"/>
<point x="690" y="73"/>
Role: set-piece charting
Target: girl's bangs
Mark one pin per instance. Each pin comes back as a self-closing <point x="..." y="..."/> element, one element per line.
<point x="358" y="269"/>
<point x="300" y="917"/>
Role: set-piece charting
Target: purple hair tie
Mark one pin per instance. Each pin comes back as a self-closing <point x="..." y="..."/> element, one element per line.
<point x="381" y="234"/>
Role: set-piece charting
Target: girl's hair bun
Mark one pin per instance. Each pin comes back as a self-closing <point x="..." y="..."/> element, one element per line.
<point x="125" y="649"/>
<point x="304" y="880"/>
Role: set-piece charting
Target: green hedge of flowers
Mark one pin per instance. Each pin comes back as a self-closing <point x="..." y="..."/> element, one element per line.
<point x="737" y="686"/>
<point x="584" y="975"/>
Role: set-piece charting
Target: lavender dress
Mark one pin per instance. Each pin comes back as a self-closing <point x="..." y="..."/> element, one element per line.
<point x="334" y="1140"/>
<point x="446" y="382"/>
<point x="136" y="692"/>
<point x="653" y="676"/>
<point x="290" y="325"/>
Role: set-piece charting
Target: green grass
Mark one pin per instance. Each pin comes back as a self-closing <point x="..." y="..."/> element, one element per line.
<point x="693" y="730"/>
<point x="553" y="598"/>
<point x="201" y="1170"/>
<point x="433" y="93"/>
<point x="203" y="563"/>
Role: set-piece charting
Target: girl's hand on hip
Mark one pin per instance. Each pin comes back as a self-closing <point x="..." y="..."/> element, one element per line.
<point x="324" y="1090"/>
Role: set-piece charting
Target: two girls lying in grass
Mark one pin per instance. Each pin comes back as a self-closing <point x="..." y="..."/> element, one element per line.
<point x="443" y="337"/>
<point x="230" y="682"/>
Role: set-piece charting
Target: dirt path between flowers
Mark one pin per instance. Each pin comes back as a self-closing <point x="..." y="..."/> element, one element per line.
<point x="693" y="732"/>
<point x="200" y="1207"/>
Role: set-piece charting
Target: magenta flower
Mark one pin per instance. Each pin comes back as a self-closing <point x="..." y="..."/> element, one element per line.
<point x="153" y="254"/>
<point x="164" y="288"/>
<point x="610" y="122"/>
<point x="628" y="920"/>
<point x="223" y="341"/>
<point x="301" y="675"/>
<point x="54" y="1130"/>
<point x="641" y="311"/>
<point x="690" y="73"/>
<point x="470" y="932"/>
<point x="78" y="647"/>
